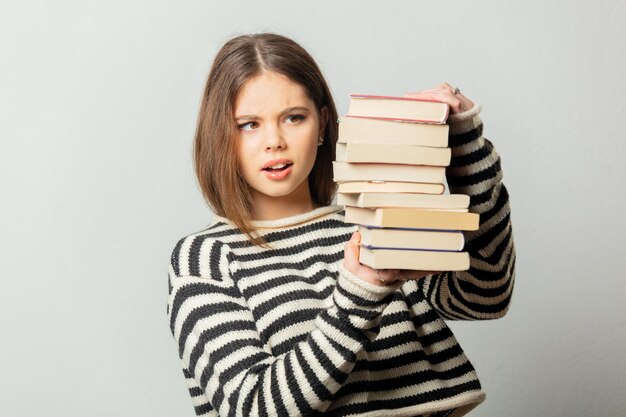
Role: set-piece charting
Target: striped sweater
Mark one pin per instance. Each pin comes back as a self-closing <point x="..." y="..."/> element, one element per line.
<point x="288" y="331"/>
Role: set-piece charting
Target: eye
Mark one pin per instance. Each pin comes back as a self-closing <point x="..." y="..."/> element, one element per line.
<point x="295" y="119"/>
<point x="247" y="126"/>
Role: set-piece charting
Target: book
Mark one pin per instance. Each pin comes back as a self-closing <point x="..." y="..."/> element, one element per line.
<point x="404" y="238"/>
<point x="425" y="201"/>
<point x="345" y="171"/>
<point x="389" y="187"/>
<point x="353" y="129"/>
<point x="398" y="108"/>
<point x="412" y="218"/>
<point x="393" y="154"/>
<point x="414" y="259"/>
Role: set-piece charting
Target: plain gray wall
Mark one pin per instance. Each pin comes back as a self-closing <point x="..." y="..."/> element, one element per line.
<point x="98" y="103"/>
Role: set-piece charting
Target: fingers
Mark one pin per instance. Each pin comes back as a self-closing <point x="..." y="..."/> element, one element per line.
<point x="458" y="103"/>
<point x="384" y="276"/>
<point x="441" y="88"/>
<point x="448" y="87"/>
<point x="351" y="252"/>
<point x="445" y="92"/>
<point x="422" y="95"/>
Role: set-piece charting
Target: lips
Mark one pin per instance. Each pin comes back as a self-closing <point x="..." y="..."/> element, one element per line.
<point x="277" y="164"/>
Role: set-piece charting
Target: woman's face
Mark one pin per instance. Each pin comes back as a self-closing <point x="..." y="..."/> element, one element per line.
<point x="278" y="130"/>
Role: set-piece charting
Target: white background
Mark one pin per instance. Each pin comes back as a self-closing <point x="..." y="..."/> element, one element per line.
<point x="98" y="103"/>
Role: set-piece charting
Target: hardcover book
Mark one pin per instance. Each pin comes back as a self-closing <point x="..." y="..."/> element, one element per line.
<point x="404" y="238"/>
<point x="345" y="171"/>
<point x="412" y="218"/>
<point x="424" y="260"/>
<point x="353" y="129"/>
<point x="398" y="108"/>
<point x="425" y="201"/>
<point x="389" y="187"/>
<point x="392" y="154"/>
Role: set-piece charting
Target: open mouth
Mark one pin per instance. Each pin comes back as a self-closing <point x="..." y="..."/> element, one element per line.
<point x="278" y="168"/>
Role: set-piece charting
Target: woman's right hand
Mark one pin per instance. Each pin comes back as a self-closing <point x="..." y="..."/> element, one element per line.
<point x="352" y="264"/>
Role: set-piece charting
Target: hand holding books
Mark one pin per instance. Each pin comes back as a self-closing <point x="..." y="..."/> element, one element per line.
<point x="445" y="92"/>
<point x="380" y="277"/>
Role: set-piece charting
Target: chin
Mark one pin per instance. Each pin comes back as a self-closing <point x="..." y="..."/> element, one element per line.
<point x="280" y="189"/>
<point x="283" y="192"/>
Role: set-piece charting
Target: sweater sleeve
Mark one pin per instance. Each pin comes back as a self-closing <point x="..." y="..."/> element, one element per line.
<point x="484" y="291"/>
<point x="234" y="372"/>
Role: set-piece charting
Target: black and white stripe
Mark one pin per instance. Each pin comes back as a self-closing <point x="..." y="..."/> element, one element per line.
<point x="288" y="331"/>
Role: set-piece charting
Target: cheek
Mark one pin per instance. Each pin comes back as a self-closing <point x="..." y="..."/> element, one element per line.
<point x="310" y="153"/>
<point x="309" y="148"/>
<point x="309" y="139"/>
<point x="245" y="155"/>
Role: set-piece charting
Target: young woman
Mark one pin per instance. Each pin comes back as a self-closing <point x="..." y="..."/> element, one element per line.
<point x="272" y="313"/>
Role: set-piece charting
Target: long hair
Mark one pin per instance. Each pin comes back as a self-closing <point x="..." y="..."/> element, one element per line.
<point x="215" y="153"/>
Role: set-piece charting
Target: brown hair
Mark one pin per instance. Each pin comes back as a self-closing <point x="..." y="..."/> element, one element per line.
<point x="214" y="154"/>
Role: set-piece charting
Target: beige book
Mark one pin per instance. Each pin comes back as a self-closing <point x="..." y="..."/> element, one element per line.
<point x="414" y="259"/>
<point x="365" y="130"/>
<point x="424" y="201"/>
<point x="390" y="187"/>
<point x="398" y="108"/>
<point x="345" y="171"/>
<point x="411" y="238"/>
<point x="393" y="154"/>
<point x="413" y="218"/>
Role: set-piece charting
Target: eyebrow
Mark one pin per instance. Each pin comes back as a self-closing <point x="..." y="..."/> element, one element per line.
<point x="287" y="110"/>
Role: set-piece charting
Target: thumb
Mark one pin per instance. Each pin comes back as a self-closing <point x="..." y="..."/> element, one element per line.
<point x="419" y="95"/>
<point x="351" y="251"/>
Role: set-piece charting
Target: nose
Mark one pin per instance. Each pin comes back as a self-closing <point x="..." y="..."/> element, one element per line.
<point x="274" y="140"/>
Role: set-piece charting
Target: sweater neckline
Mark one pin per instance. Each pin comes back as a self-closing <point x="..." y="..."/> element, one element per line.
<point x="290" y="220"/>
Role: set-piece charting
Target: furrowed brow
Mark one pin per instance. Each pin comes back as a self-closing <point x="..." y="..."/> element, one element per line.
<point x="287" y="110"/>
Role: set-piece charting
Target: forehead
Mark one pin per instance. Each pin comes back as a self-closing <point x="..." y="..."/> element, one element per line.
<point x="270" y="92"/>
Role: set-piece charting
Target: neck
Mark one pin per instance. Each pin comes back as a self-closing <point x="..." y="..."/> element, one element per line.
<point x="271" y="208"/>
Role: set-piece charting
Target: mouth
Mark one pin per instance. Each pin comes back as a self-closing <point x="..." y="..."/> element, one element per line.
<point x="278" y="171"/>
<point x="277" y="167"/>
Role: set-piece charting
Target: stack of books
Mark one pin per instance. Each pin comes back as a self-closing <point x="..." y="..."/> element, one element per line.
<point x="390" y="165"/>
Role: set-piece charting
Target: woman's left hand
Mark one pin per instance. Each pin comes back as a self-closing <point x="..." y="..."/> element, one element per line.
<point x="445" y="92"/>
